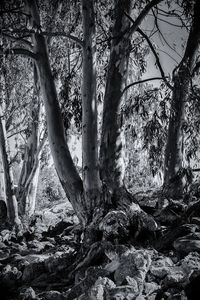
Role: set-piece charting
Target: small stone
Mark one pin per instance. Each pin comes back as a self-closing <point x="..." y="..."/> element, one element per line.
<point x="53" y="295"/>
<point x="150" y="288"/>
<point x="188" y="243"/>
<point x="125" y="292"/>
<point x="191" y="262"/>
<point x="5" y="235"/>
<point x="27" y="294"/>
<point x="134" y="265"/>
<point x="174" y="278"/>
<point x="5" y="253"/>
<point x="100" y="289"/>
<point x="195" y="220"/>
<point x="161" y="267"/>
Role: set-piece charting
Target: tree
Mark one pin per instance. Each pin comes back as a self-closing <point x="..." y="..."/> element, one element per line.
<point x="2" y="184"/>
<point x="15" y="113"/>
<point x="111" y="143"/>
<point x="28" y="181"/>
<point x="12" y="206"/>
<point x="90" y="200"/>
<point x="173" y="169"/>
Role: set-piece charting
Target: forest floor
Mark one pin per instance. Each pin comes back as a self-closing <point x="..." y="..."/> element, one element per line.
<point x="42" y="263"/>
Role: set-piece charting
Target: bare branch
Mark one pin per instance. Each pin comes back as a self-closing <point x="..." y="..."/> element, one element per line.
<point x="64" y="34"/>
<point x="156" y="57"/>
<point x="162" y="36"/>
<point x="141" y="81"/>
<point x="18" y="39"/>
<point x="142" y="15"/>
<point x="15" y="133"/>
<point x="154" y="52"/>
<point x="51" y="34"/>
<point x="20" y="51"/>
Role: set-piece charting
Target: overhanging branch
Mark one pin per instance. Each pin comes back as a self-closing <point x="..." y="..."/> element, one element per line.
<point x="63" y="34"/>
<point x="154" y="53"/>
<point x="142" y="15"/>
<point x="141" y="81"/>
<point x="156" y="57"/>
<point x="20" y="51"/>
<point x="48" y="34"/>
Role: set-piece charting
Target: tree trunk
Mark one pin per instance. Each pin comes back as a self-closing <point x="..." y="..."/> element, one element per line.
<point x="111" y="150"/>
<point x="102" y="221"/>
<point x="67" y="173"/>
<point x="91" y="180"/>
<point x="173" y="179"/>
<point x="2" y="183"/>
<point x="27" y="185"/>
<point x="12" y="206"/>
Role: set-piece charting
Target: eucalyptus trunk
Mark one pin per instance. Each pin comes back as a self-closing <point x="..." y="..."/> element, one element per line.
<point x="2" y="183"/>
<point x="11" y="201"/>
<point x="173" y="179"/>
<point x="28" y="182"/>
<point x="111" y="151"/>
<point x="92" y="203"/>
<point x="67" y="173"/>
<point x="91" y="180"/>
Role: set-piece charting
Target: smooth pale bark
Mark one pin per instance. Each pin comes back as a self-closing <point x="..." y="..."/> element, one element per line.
<point x="111" y="151"/>
<point x="67" y="173"/>
<point x="112" y="166"/>
<point x="12" y="206"/>
<point x="27" y="185"/>
<point x="91" y="180"/>
<point x="173" y="181"/>
<point x="2" y="183"/>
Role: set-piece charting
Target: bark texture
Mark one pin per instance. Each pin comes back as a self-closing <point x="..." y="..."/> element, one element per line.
<point x="111" y="151"/>
<point x="173" y="181"/>
<point x="91" y="180"/>
<point x="2" y="183"/>
<point x="27" y="185"/>
<point x="64" y="165"/>
<point x="112" y="166"/>
<point x="12" y="206"/>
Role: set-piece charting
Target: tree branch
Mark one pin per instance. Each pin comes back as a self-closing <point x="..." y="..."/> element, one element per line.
<point x="142" y="15"/>
<point x="153" y="51"/>
<point x="141" y="81"/>
<point x="15" y="133"/>
<point x="156" y="57"/>
<point x="18" y="39"/>
<point x="64" y="34"/>
<point x="20" y="51"/>
<point x="50" y="34"/>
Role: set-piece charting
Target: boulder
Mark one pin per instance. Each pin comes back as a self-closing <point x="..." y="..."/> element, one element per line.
<point x="5" y="234"/>
<point x="101" y="288"/>
<point x="188" y="243"/>
<point x="114" y="224"/>
<point x="190" y="263"/>
<point x="161" y="267"/>
<point x="53" y="295"/>
<point x="150" y="290"/>
<point x="176" y="276"/>
<point x="10" y="277"/>
<point x="132" y="269"/>
<point x="124" y="292"/>
<point x="32" y="271"/>
<point x="27" y="294"/>
<point x="39" y="246"/>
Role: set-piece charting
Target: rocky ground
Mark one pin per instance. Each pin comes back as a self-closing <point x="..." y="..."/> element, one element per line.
<point x="43" y="262"/>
